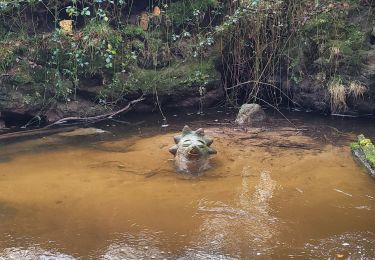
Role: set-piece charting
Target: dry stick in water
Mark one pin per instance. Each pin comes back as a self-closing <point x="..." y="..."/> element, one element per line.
<point x="78" y="120"/>
<point x="94" y="119"/>
<point x="35" y="132"/>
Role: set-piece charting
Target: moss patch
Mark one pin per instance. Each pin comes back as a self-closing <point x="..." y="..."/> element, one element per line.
<point x="6" y="58"/>
<point x="177" y="76"/>
<point x="335" y="34"/>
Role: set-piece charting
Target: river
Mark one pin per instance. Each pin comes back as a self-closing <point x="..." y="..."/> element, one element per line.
<point x="272" y="193"/>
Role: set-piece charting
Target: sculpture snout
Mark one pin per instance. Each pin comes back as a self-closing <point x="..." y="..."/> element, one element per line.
<point x="194" y="152"/>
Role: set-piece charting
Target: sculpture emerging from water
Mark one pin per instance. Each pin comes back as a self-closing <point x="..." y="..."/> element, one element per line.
<point x="191" y="151"/>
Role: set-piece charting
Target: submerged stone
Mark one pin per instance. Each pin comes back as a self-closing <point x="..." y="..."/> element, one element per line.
<point x="83" y="132"/>
<point x="192" y="151"/>
<point x="6" y="211"/>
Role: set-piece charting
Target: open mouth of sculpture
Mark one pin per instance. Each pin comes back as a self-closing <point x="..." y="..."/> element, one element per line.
<point x="194" y="154"/>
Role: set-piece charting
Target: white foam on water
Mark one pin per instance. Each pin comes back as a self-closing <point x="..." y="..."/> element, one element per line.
<point x="32" y="253"/>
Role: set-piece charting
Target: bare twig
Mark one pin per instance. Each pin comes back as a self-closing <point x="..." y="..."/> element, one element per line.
<point x="286" y="145"/>
<point x="35" y="132"/>
<point x="94" y="119"/>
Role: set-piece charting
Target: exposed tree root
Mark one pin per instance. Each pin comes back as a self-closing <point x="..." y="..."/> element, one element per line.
<point x="93" y="119"/>
<point x="71" y="122"/>
<point x="35" y="132"/>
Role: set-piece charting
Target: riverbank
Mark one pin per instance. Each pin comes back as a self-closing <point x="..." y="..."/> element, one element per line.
<point x="90" y="59"/>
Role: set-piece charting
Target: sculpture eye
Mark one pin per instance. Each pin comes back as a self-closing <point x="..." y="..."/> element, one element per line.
<point x="201" y="144"/>
<point x="186" y="143"/>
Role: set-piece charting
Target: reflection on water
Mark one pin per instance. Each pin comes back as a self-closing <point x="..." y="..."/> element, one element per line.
<point x="250" y="223"/>
<point x="271" y="194"/>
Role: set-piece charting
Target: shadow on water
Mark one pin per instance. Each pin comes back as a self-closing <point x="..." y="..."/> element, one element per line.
<point x="6" y="211"/>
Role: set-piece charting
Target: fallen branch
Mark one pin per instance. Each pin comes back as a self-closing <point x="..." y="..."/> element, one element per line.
<point x="219" y="124"/>
<point x="294" y="130"/>
<point x="128" y="123"/>
<point x="35" y="132"/>
<point x="292" y="146"/>
<point x="94" y="119"/>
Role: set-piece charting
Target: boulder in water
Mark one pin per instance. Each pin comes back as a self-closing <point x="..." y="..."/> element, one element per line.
<point x="250" y="113"/>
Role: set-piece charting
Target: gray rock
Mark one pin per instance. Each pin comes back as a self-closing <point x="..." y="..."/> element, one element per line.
<point x="250" y="113"/>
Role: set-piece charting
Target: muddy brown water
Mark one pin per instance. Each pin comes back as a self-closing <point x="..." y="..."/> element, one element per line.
<point x="272" y="193"/>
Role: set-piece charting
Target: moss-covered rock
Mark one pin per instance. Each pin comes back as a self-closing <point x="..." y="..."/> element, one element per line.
<point x="179" y="85"/>
<point x="364" y="150"/>
<point x="182" y="74"/>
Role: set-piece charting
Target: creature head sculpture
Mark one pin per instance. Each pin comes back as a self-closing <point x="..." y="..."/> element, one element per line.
<point x="191" y="151"/>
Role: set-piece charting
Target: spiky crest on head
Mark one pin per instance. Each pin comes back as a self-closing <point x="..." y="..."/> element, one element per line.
<point x="212" y="151"/>
<point x="173" y="149"/>
<point x="200" y="131"/>
<point x="177" y="138"/>
<point x="186" y="130"/>
<point x="208" y="140"/>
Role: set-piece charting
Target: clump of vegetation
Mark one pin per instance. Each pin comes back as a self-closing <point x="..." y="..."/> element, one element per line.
<point x="6" y="57"/>
<point x="330" y="47"/>
<point x="182" y="12"/>
<point x="337" y="93"/>
<point x="22" y="75"/>
<point x="133" y="32"/>
<point x="340" y="42"/>
<point x="357" y="89"/>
